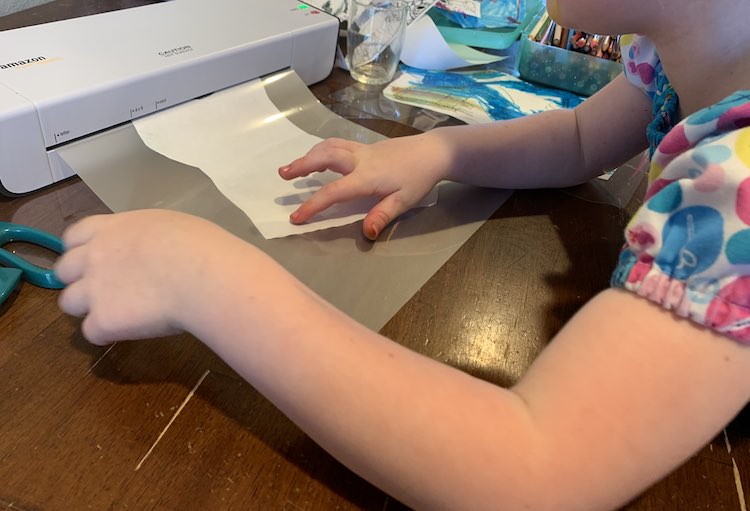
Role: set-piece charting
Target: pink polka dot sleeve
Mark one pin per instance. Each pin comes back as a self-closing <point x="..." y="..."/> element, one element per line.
<point x="688" y="246"/>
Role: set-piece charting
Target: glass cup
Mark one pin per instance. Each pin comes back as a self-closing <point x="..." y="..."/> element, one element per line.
<point x="374" y="39"/>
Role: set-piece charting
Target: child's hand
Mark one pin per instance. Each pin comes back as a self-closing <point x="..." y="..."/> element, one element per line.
<point x="400" y="171"/>
<point x="131" y="274"/>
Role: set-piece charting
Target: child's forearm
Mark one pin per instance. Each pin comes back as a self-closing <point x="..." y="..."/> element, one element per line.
<point x="540" y="151"/>
<point x="438" y="438"/>
<point x="552" y="149"/>
<point x="395" y="417"/>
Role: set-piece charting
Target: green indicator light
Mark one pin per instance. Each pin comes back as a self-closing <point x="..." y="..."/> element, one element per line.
<point x="302" y="6"/>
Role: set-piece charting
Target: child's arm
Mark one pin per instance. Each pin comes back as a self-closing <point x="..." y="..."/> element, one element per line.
<point x="552" y="149"/>
<point x="623" y="394"/>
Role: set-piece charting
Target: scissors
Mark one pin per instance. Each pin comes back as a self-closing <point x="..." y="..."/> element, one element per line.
<point x="16" y="268"/>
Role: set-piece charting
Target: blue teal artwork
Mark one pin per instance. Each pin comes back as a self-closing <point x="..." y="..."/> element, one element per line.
<point x="500" y="95"/>
<point x="494" y="14"/>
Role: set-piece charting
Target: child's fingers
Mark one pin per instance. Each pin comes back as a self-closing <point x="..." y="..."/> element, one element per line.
<point x="342" y="190"/>
<point x="70" y="266"/>
<point x="343" y="143"/>
<point x="93" y="332"/>
<point x="82" y="231"/>
<point x="324" y="156"/>
<point x="384" y="213"/>
<point x="73" y="300"/>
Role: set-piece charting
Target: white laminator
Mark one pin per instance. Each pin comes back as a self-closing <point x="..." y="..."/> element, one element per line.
<point x="66" y="80"/>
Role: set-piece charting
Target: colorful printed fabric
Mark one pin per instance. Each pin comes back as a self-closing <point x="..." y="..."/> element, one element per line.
<point x="643" y="68"/>
<point x="641" y="63"/>
<point x="688" y="247"/>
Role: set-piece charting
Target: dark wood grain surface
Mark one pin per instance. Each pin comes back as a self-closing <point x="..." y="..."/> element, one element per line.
<point x="165" y="424"/>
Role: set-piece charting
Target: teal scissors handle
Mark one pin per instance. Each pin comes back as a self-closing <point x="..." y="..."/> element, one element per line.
<point x="42" y="277"/>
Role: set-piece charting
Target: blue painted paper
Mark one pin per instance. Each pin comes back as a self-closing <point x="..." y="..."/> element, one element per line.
<point x="499" y="95"/>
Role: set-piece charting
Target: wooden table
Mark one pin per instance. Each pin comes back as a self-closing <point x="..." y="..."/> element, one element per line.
<point x="165" y="424"/>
